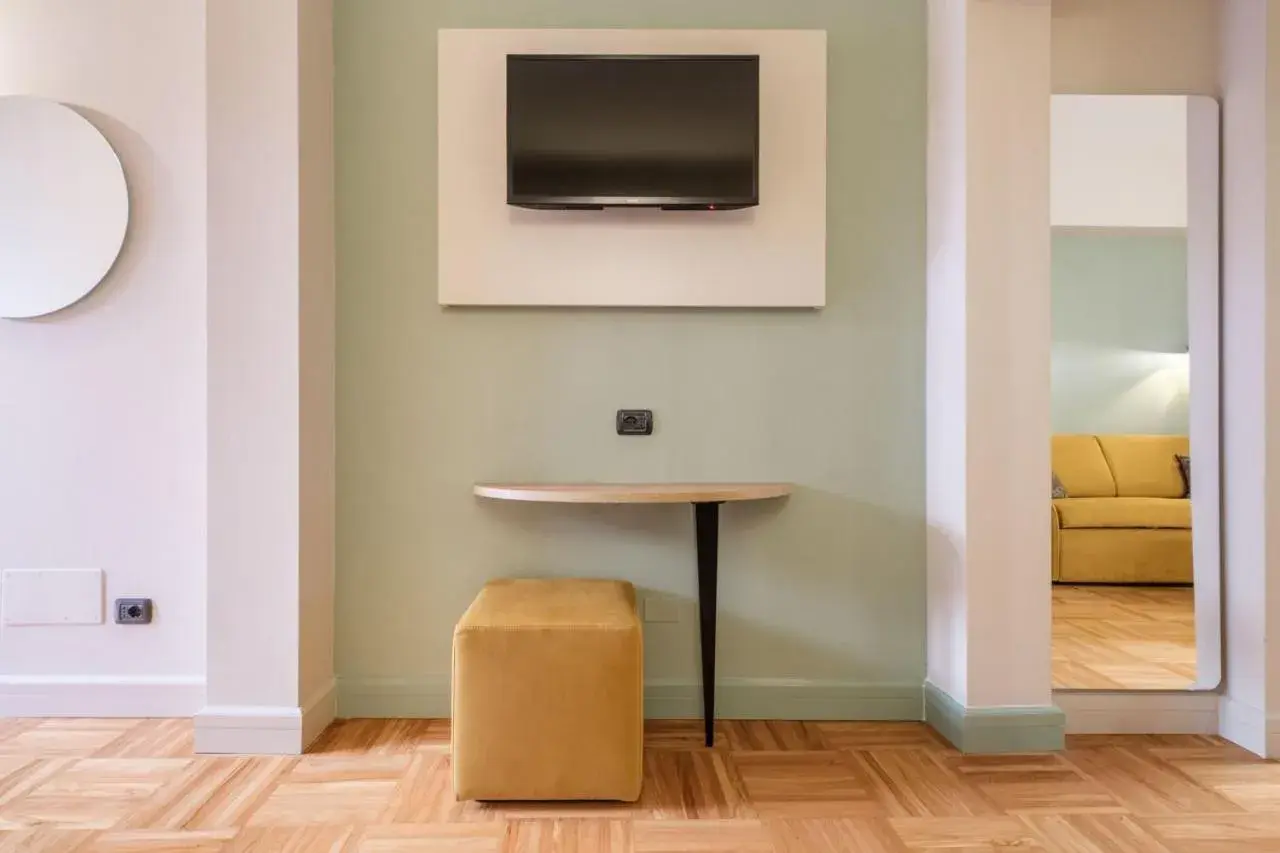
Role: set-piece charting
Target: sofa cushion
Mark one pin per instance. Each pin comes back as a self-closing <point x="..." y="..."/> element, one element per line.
<point x="1174" y="513"/>
<point x="1145" y="466"/>
<point x="1081" y="467"/>
<point x="1124" y="556"/>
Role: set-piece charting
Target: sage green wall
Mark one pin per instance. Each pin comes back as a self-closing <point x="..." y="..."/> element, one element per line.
<point x="1120" y="361"/>
<point x="821" y="597"/>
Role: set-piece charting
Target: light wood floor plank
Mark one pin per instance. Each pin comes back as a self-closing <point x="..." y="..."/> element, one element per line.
<point x="1096" y="834"/>
<point x="715" y="786"/>
<point x="1025" y="784"/>
<point x="151" y="739"/>
<point x="176" y="804"/>
<point x="1219" y="833"/>
<point x="913" y="783"/>
<point x="705" y="784"/>
<point x="680" y="734"/>
<point x="1253" y="787"/>
<point x="827" y="783"/>
<point x="568" y="836"/>
<point x="919" y="834"/>
<point x="701" y="836"/>
<point x="251" y="782"/>
<point x="1124" y="637"/>
<point x="93" y="793"/>
<point x="445" y="837"/>
<point x="767" y="787"/>
<point x="45" y="840"/>
<point x="835" y="835"/>
<point x="65" y="737"/>
<point x="1148" y="785"/>
<point x="297" y="839"/>
<point x="153" y="841"/>
<point x="881" y="736"/>
<point x="773" y="736"/>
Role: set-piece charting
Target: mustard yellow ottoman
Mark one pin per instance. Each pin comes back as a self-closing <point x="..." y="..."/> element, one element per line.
<point x="548" y="692"/>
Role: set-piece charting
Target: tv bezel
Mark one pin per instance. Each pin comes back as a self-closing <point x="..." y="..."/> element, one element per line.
<point x="547" y="202"/>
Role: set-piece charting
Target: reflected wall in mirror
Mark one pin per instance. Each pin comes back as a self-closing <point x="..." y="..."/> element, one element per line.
<point x="1136" y="564"/>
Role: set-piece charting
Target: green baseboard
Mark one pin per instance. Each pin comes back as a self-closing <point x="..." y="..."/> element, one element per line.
<point x="971" y="730"/>
<point x="736" y="698"/>
<point x="390" y="698"/>
<point x="786" y="699"/>
<point x="993" y="731"/>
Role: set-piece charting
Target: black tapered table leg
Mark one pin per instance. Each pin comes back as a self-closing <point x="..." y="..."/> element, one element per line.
<point x="707" y="528"/>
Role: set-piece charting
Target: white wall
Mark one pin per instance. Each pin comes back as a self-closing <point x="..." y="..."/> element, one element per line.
<point x="987" y="392"/>
<point x="271" y="370"/>
<point x="317" y="306"/>
<point x="1132" y="47"/>
<point x="945" y="363"/>
<point x="1251" y="373"/>
<point x="1008" y="362"/>
<point x="102" y="406"/>
<point x="253" y="355"/>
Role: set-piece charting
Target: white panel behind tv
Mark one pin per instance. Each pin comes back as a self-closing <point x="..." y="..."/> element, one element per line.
<point x="771" y="256"/>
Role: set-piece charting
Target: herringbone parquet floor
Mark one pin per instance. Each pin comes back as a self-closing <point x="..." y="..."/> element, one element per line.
<point x="1124" y="637"/>
<point x="382" y="786"/>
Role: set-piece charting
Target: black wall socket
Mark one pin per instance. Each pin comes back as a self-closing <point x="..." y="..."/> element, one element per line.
<point x="635" y="422"/>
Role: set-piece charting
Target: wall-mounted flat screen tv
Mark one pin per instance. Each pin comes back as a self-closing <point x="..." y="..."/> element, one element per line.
<point x="675" y="132"/>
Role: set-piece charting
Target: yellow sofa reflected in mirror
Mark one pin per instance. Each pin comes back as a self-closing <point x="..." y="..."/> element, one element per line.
<point x="1127" y="516"/>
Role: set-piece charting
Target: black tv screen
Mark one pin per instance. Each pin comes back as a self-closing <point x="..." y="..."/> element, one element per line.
<point x="635" y="131"/>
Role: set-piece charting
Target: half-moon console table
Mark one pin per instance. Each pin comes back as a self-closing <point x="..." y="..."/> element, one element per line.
<point x="706" y="499"/>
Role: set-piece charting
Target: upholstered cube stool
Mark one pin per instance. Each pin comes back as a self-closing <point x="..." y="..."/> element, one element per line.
<point x="548" y="692"/>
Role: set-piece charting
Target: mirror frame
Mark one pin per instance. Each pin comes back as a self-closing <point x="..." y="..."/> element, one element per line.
<point x="1204" y="298"/>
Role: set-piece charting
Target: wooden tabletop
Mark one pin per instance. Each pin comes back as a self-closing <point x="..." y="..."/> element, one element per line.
<point x="632" y="493"/>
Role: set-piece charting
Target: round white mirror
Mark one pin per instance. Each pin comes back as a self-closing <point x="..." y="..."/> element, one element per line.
<point x="64" y="207"/>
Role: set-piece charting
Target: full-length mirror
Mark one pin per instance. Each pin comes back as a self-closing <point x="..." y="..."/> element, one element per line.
<point x="1135" y="542"/>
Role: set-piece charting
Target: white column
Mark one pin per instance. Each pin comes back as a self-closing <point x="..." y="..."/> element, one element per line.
<point x="270" y="304"/>
<point x="317" y="316"/>
<point x="1251" y="373"/>
<point x="987" y="390"/>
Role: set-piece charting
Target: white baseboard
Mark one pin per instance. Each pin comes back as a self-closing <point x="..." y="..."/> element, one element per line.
<point x="1097" y="712"/>
<point x="265" y="729"/>
<point x="249" y="729"/>
<point x="101" y="695"/>
<point x="1250" y="727"/>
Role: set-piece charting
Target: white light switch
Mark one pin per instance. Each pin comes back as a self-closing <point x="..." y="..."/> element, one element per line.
<point x="52" y="596"/>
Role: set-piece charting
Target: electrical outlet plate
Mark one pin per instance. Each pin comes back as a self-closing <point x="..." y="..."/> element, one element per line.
<point x="133" y="611"/>
<point x="635" y="422"/>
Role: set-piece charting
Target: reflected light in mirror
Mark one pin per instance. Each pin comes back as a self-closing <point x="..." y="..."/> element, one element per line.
<point x="1139" y="382"/>
<point x="1168" y="378"/>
